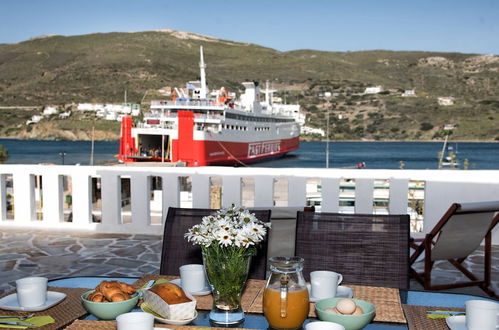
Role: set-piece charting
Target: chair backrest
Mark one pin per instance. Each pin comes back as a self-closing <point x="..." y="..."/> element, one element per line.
<point x="367" y="249"/>
<point x="177" y="251"/>
<point x="462" y="229"/>
<point x="283" y="230"/>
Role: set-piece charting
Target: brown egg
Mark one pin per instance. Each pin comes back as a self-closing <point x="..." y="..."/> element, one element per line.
<point x="358" y="311"/>
<point x="346" y="306"/>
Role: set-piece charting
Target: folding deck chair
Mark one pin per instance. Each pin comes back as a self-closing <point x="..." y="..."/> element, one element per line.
<point x="459" y="232"/>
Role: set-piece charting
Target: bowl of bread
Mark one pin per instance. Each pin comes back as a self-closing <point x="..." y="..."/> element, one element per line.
<point x="110" y="299"/>
<point x="353" y="314"/>
<point x="170" y="301"/>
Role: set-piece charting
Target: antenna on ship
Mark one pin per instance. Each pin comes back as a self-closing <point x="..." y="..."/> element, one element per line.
<point x="202" y="66"/>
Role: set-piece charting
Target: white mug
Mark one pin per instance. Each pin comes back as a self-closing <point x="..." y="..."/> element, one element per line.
<point x="193" y="278"/>
<point x="482" y="314"/>
<point x="323" y="325"/>
<point x="324" y="283"/>
<point x="31" y="291"/>
<point x="135" y="321"/>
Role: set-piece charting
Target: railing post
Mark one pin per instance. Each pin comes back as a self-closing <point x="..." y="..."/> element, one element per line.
<point x="111" y="199"/>
<point x="3" y="197"/>
<point x="231" y="190"/>
<point x="297" y="191"/>
<point x="24" y="197"/>
<point x="364" y="190"/>
<point x="264" y="191"/>
<point x="82" y="198"/>
<point x="141" y="187"/>
<point x="200" y="191"/>
<point x="52" y="198"/>
<point x="171" y="193"/>
<point x="330" y="195"/>
<point x="398" y="196"/>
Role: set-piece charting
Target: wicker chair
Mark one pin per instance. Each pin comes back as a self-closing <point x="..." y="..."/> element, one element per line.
<point x="177" y="251"/>
<point x="366" y="249"/>
<point x="459" y="232"/>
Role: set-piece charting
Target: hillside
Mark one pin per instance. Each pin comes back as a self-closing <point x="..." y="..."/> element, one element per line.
<point x="64" y="71"/>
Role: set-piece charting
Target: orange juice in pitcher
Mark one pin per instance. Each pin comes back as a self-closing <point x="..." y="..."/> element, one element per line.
<point x="285" y="299"/>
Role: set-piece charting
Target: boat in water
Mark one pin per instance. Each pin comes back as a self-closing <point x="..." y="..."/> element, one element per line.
<point x="448" y="156"/>
<point x="198" y="128"/>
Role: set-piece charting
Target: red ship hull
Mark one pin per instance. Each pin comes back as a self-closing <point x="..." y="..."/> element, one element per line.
<point x="193" y="152"/>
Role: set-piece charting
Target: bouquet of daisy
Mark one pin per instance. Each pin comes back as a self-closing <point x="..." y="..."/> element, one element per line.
<point x="228" y="239"/>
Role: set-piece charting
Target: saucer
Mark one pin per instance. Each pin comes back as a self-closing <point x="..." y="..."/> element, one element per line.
<point x="203" y="292"/>
<point x="145" y="308"/>
<point x="456" y="322"/>
<point x="10" y="302"/>
<point x="341" y="292"/>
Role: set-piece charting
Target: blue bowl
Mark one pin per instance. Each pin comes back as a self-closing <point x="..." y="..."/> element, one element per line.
<point x="350" y="322"/>
<point x="108" y="310"/>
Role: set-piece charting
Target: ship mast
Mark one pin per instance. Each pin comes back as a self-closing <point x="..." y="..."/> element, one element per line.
<point x="202" y="66"/>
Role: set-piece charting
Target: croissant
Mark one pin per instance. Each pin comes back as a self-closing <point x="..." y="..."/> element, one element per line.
<point x="111" y="291"/>
<point x="170" y="293"/>
<point x="127" y="288"/>
<point x="96" y="296"/>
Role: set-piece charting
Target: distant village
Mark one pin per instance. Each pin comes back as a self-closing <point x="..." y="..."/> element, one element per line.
<point x="115" y="112"/>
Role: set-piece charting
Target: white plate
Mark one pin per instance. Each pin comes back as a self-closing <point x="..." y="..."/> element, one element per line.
<point x="203" y="292"/>
<point x="10" y="302"/>
<point x="456" y="322"/>
<point x="146" y="309"/>
<point x="341" y="292"/>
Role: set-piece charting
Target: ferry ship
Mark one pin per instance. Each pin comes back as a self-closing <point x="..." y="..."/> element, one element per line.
<point x="199" y="128"/>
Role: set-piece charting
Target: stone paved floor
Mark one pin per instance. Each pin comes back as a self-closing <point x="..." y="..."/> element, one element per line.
<point x="61" y="254"/>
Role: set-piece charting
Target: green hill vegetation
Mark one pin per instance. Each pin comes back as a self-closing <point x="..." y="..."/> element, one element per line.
<point x="65" y="71"/>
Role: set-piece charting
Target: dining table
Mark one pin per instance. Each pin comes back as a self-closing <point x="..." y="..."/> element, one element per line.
<point x="413" y="303"/>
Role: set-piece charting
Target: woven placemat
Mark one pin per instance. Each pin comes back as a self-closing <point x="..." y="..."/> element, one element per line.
<point x="250" y="293"/>
<point x="64" y="312"/>
<point x="416" y="317"/>
<point x="111" y="325"/>
<point x="386" y="300"/>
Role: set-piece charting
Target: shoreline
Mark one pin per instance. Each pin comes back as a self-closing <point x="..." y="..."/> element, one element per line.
<point x="306" y="140"/>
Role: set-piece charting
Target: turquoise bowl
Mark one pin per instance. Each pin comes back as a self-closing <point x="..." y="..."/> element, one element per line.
<point x="350" y="322"/>
<point x="108" y="310"/>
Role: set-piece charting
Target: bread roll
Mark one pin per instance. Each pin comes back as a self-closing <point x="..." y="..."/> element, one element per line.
<point x="171" y="293"/>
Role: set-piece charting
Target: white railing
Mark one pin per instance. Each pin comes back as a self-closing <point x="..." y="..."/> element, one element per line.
<point x="34" y="208"/>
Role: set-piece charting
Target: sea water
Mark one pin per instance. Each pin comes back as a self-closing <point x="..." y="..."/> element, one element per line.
<point x="375" y="155"/>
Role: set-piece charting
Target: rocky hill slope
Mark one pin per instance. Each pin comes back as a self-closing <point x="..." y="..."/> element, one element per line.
<point x="64" y="71"/>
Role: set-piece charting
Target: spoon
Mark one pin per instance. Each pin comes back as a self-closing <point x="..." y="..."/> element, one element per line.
<point x="20" y="318"/>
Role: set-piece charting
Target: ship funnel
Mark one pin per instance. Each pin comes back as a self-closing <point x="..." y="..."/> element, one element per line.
<point x="202" y="66"/>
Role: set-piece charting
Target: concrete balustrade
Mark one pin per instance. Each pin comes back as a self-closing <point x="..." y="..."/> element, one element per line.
<point x="441" y="188"/>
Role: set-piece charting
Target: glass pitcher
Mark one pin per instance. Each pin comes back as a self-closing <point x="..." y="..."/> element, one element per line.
<point x="285" y="299"/>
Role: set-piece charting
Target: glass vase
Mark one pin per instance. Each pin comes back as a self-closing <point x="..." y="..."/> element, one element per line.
<point x="227" y="270"/>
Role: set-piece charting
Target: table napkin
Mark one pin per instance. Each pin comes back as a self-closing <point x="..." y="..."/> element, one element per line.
<point x="37" y="320"/>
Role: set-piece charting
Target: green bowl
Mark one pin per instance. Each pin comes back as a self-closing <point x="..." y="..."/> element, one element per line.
<point x="108" y="310"/>
<point x="350" y="322"/>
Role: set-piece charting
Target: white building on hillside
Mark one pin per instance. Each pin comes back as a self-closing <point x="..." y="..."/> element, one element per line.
<point x="373" y="90"/>
<point x="111" y="111"/>
<point x="445" y="101"/>
<point x="311" y="130"/>
<point x="409" y="93"/>
<point x="50" y="111"/>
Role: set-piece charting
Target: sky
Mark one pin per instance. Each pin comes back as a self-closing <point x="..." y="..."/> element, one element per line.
<point x="466" y="26"/>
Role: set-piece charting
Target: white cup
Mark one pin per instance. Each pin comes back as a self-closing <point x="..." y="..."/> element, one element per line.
<point x="31" y="291"/>
<point x="324" y="283"/>
<point x="135" y="321"/>
<point x="192" y="278"/>
<point x="323" y="325"/>
<point x="482" y="314"/>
